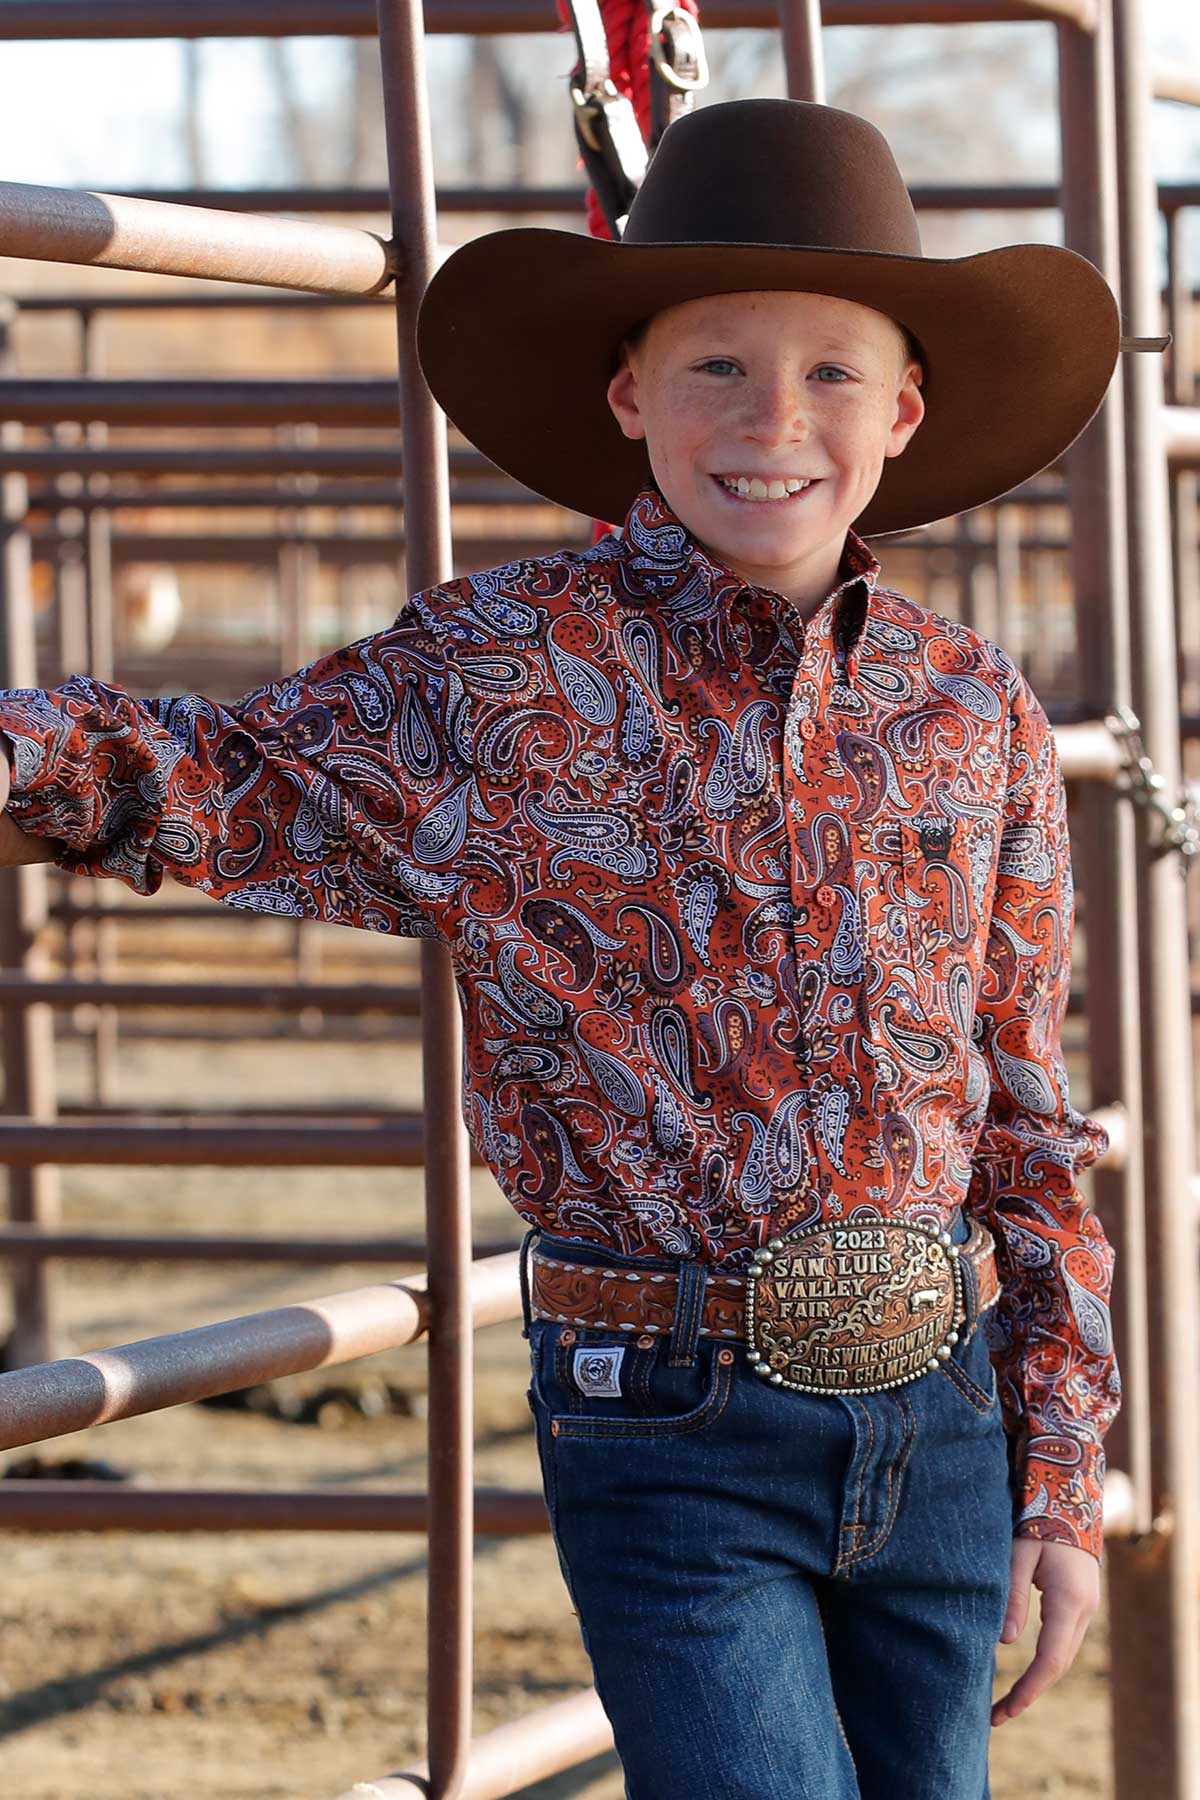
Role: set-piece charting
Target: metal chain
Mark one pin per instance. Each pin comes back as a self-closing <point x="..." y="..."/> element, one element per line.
<point x="1141" y="781"/>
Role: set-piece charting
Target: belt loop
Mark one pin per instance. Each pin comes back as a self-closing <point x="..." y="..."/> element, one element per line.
<point x="970" y="1279"/>
<point x="523" y="1272"/>
<point x="689" y="1309"/>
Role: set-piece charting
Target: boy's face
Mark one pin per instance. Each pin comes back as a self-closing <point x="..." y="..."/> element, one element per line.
<point x="771" y="385"/>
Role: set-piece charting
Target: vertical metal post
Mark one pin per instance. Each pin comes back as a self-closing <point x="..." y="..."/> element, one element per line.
<point x="1156" y="1695"/>
<point x="298" y="567"/>
<point x="803" y="59"/>
<point x="1046" y="574"/>
<point x="1103" y="832"/>
<point x="1010" y="616"/>
<point x="1185" y="484"/>
<point x="26" y="1033"/>
<point x="70" y="584"/>
<point x="967" y="559"/>
<point x="98" y="591"/>
<point x="447" y="1166"/>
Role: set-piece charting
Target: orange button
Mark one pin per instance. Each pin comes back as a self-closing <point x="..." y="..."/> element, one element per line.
<point x="808" y="728"/>
<point x="825" y="894"/>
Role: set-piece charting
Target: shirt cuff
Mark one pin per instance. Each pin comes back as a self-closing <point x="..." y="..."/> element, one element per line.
<point x="1061" y="1493"/>
<point x="53" y="793"/>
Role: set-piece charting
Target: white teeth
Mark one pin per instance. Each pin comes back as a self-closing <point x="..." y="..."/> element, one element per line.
<point x="753" y="488"/>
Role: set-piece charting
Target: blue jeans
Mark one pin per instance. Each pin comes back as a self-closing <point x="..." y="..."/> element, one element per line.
<point x="783" y="1596"/>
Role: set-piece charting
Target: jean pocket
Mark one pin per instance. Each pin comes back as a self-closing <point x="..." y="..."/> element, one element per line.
<point x="595" y="1382"/>
<point x="970" y="1369"/>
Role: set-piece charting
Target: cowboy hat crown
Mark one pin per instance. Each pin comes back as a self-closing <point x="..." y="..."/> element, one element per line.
<point x="518" y="330"/>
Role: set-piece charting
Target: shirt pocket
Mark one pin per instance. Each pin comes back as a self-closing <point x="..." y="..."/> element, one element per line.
<point x="940" y="860"/>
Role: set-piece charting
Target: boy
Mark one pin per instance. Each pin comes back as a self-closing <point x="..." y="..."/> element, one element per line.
<point x="756" y="879"/>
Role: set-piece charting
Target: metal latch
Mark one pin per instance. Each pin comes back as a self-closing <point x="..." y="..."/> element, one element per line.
<point x="1180" y="822"/>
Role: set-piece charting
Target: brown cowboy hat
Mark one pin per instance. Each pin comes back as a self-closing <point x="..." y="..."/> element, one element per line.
<point x="518" y="331"/>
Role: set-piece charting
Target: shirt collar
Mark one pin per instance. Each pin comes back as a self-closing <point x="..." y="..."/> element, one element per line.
<point x="675" y="569"/>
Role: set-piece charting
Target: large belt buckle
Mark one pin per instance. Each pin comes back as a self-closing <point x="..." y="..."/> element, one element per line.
<point x="853" y="1309"/>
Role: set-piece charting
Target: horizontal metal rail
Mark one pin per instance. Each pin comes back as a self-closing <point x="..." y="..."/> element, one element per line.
<point x="76" y="1392"/>
<point x="461" y="199"/>
<point x="511" y="1757"/>
<point x="111" y="1506"/>
<point x="257" y="459"/>
<point x="1088" y="751"/>
<point x="281" y="996"/>
<point x="963" y="196"/>
<point x="1171" y="83"/>
<point x="111" y="231"/>
<point x="210" y="1143"/>
<point x="29" y="1242"/>
<point x="258" y="550"/>
<point x="1115" y="1121"/>
<point x="1181" y="436"/>
<point x="339" y="400"/>
<point x="41" y="19"/>
<point x="493" y="495"/>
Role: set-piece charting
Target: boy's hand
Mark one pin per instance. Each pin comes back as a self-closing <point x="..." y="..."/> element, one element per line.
<point x="17" y="846"/>
<point x="1069" y="1579"/>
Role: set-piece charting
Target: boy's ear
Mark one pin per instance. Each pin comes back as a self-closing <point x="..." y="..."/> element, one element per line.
<point x="623" y="399"/>
<point x="910" y="410"/>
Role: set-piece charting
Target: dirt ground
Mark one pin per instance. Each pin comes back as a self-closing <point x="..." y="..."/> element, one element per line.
<point x="288" y="1666"/>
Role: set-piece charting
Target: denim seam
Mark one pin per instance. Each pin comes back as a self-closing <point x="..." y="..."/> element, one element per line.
<point x="836" y="1711"/>
<point x="571" y="1425"/>
<point x="895" y="1472"/>
<point x="856" y="1525"/>
<point x="639" y="1379"/>
<point x="562" y="1373"/>
<point x="967" y="1387"/>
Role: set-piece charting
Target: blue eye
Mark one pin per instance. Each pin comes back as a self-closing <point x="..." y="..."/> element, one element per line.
<point x="729" y="364"/>
<point x="841" y="373"/>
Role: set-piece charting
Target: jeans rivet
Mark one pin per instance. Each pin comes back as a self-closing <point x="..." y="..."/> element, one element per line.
<point x="725" y="1354"/>
<point x="554" y="1428"/>
<point x="646" y="1341"/>
<point x="568" y="1336"/>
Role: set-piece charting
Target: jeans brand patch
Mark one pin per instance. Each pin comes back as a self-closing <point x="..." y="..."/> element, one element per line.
<point x="598" y="1372"/>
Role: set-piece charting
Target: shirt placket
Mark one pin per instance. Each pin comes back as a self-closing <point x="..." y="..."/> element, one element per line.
<point x="819" y="796"/>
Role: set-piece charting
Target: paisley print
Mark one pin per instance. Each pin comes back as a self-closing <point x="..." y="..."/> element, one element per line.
<point x="755" y="920"/>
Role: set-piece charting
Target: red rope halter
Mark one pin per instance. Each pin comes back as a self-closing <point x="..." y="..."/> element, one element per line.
<point x="627" y="29"/>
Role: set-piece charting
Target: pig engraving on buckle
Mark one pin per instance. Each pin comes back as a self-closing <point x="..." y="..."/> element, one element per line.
<point x="853" y="1309"/>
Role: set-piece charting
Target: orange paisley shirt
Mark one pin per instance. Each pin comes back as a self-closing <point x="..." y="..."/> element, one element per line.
<point x="755" y="921"/>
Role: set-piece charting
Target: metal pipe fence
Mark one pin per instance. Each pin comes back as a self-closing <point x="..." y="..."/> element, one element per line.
<point x="1138" y="1016"/>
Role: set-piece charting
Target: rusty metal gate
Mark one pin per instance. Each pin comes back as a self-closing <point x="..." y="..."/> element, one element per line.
<point x="1137" y="456"/>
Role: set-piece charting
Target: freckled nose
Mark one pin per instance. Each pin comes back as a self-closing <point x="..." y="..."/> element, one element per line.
<point x="777" y="411"/>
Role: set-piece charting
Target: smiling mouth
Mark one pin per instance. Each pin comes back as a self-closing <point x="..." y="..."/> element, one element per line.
<point x="756" y="492"/>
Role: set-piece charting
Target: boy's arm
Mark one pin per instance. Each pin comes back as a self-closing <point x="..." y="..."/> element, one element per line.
<point x="312" y="797"/>
<point x="1050" y="1332"/>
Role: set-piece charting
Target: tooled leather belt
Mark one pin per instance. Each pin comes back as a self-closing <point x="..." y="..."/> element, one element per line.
<point x="836" y="1308"/>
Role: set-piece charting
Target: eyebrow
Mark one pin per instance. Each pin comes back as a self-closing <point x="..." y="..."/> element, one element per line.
<point x="716" y="346"/>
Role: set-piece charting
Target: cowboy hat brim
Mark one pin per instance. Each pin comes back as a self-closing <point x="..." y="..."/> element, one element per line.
<point x="518" y="330"/>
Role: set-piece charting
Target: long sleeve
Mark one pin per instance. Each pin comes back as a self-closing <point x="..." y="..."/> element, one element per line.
<point x="1050" y="1332"/>
<point x="337" y="793"/>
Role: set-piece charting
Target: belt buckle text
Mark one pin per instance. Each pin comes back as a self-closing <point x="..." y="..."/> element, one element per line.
<point x="852" y="1309"/>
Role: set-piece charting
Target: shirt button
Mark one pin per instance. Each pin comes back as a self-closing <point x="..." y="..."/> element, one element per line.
<point x="808" y="728"/>
<point x="825" y="894"/>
